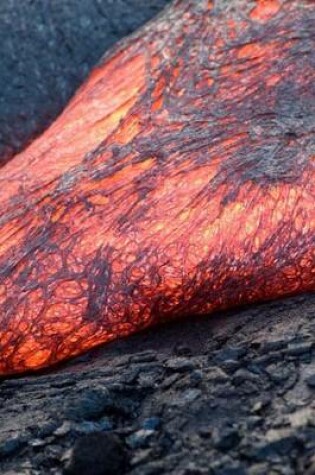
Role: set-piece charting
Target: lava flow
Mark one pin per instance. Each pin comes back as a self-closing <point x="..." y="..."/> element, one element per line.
<point x="179" y="180"/>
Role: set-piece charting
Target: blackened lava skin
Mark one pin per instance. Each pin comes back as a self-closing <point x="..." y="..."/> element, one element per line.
<point x="179" y="180"/>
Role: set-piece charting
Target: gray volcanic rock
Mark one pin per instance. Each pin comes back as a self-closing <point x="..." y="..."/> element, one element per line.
<point x="47" y="49"/>
<point x="241" y="402"/>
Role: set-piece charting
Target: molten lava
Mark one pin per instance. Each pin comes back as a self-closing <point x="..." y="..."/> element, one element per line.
<point x="179" y="180"/>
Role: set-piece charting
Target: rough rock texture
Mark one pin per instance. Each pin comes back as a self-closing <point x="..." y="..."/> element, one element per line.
<point x="47" y="49"/>
<point x="231" y="394"/>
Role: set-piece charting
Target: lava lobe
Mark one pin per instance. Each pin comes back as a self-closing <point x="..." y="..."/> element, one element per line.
<point x="179" y="180"/>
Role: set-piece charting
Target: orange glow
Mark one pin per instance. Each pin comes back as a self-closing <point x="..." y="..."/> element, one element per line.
<point x="265" y="10"/>
<point x="179" y="180"/>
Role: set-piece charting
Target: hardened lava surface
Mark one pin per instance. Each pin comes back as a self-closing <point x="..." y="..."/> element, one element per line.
<point x="232" y="394"/>
<point x="179" y="180"/>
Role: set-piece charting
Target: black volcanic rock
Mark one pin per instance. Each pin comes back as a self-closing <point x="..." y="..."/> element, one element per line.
<point x="47" y="49"/>
<point x="98" y="454"/>
<point x="165" y="415"/>
<point x="311" y="381"/>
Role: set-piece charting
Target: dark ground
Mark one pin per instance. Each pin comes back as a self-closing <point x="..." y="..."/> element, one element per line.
<point x="225" y="395"/>
<point x="47" y="48"/>
<point x="231" y="394"/>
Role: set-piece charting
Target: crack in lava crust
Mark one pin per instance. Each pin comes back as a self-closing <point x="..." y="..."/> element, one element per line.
<point x="179" y="180"/>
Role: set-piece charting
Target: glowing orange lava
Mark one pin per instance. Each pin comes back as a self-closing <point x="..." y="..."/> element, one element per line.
<point x="179" y="180"/>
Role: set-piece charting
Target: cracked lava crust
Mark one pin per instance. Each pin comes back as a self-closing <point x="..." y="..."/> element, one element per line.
<point x="179" y="180"/>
